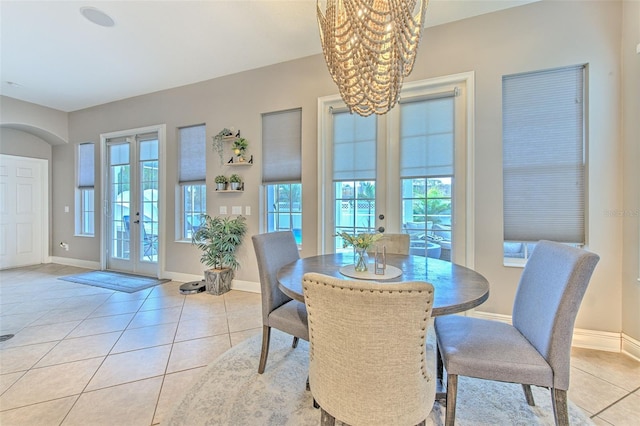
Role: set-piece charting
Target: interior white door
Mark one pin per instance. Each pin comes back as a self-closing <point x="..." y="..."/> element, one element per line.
<point x="23" y="211"/>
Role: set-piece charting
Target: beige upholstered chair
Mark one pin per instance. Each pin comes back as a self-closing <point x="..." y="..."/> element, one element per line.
<point x="394" y="243"/>
<point x="535" y="350"/>
<point x="369" y="363"/>
<point x="274" y="250"/>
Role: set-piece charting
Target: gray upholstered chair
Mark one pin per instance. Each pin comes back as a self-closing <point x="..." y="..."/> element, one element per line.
<point x="369" y="361"/>
<point x="274" y="250"/>
<point x="394" y="243"/>
<point x="535" y="350"/>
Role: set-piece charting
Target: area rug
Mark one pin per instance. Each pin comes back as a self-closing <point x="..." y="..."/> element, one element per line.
<point x="114" y="280"/>
<point x="231" y="392"/>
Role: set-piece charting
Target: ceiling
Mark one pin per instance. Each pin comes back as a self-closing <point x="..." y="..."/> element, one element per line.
<point x="52" y="56"/>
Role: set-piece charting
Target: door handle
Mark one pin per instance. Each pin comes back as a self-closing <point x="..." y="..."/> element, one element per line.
<point x="381" y="229"/>
<point x="136" y="221"/>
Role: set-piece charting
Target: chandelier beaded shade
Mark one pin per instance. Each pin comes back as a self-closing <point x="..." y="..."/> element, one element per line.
<point x="369" y="47"/>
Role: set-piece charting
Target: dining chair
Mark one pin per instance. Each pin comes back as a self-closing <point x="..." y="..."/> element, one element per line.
<point x="274" y="250"/>
<point x="394" y="243"/>
<point x="536" y="349"/>
<point x="369" y="361"/>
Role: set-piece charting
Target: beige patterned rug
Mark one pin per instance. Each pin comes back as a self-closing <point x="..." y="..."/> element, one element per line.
<point x="231" y="392"/>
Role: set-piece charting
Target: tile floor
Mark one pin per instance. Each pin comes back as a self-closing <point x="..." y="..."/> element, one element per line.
<point x="83" y="355"/>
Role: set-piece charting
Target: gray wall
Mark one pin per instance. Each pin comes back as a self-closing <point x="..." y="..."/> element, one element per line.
<point x="532" y="37"/>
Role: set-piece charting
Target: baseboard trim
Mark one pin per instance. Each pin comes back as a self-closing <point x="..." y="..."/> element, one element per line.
<point x="67" y="261"/>
<point x="590" y="339"/>
<point x="631" y="347"/>
<point x="249" y="286"/>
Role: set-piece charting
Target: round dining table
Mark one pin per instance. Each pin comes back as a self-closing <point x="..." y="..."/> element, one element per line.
<point x="456" y="288"/>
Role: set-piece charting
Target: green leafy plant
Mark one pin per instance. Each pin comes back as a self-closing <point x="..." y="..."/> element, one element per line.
<point x="219" y="238"/>
<point x="235" y="178"/>
<point x="218" y="146"/>
<point x="221" y="179"/>
<point x="240" y="146"/>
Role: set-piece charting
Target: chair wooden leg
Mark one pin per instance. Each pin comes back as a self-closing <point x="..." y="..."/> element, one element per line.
<point x="560" y="410"/>
<point x="452" y="393"/>
<point x="266" y="334"/>
<point x="326" y="419"/>
<point x="295" y="342"/>
<point x="528" y="394"/>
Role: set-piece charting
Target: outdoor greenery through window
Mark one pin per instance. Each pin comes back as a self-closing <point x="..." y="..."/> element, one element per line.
<point x="426" y="212"/>
<point x="284" y="208"/>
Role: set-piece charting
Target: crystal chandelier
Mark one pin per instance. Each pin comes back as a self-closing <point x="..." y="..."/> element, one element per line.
<point x="369" y="47"/>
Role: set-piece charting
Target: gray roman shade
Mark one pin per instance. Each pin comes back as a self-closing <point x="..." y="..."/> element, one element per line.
<point x="193" y="154"/>
<point x="86" y="165"/>
<point x="354" y="146"/>
<point x="427" y="136"/>
<point x="543" y="156"/>
<point x="282" y="146"/>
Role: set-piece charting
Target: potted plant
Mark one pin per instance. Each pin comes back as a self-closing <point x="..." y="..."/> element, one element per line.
<point x="239" y="148"/>
<point x="235" y="181"/>
<point x="221" y="183"/>
<point x="218" y="238"/>
<point x="223" y="134"/>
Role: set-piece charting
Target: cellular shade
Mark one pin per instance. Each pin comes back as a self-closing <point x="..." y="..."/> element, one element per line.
<point x="192" y="154"/>
<point x="282" y="146"/>
<point x="86" y="165"/>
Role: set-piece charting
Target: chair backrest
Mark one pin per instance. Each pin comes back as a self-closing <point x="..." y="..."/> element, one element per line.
<point x="367" y="354"/>
<point x="273" y="251"/>
<point x="394" y="243"/>
<point x="547" y="301"/>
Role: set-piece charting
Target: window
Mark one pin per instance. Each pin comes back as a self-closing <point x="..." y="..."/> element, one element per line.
<point x="85" y="205"/>
<point x="282" y="171"/>
<point x="544" y="168"/>
<point x="192" y="179"/>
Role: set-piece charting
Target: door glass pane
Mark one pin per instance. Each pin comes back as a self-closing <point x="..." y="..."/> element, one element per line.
<point x="148" y="215"/>
<point x="354" y="174"/>
<point x="121" y="215"/>
<point x="355" y="207"/>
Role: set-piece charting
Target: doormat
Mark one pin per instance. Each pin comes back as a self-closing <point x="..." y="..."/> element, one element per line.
<point x="114" y="280"/>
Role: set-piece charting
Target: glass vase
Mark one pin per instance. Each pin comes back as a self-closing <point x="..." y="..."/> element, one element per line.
<point x="360" y="260"/>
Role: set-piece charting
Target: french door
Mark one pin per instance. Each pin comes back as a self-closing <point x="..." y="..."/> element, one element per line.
<point x="405" y="171"/>
<point x="131" y="204"/>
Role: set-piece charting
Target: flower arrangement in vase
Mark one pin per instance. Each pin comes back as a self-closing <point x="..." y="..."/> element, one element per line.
<point x="360" y="243"/>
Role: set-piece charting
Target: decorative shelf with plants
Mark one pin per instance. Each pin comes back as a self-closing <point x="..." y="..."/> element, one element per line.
<point x="233" y="183"/>
<point x="238" y="148"/>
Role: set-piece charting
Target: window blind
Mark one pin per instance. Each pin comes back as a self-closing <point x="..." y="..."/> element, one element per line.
<point x="427" y="136"/>
<point x="543" y="156"/>
<point x="354" y="146"/>
<point x="86" y="165"/>
<point x="282" y="146"/>
<point x="192" y="154"/>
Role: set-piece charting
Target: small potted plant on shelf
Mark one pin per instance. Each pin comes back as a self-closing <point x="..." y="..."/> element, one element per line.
<point x="239" y="148"/>
<point x="219" y="238"/>
<point x="236" y="182"/>
<point x="221" y="183"/>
